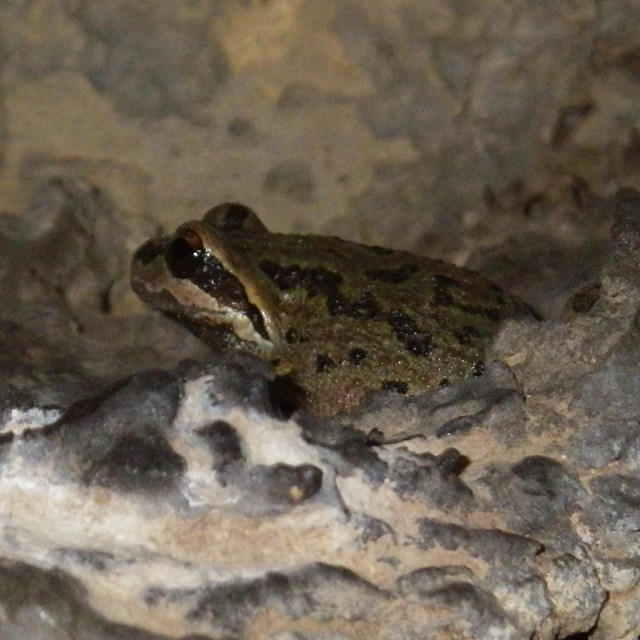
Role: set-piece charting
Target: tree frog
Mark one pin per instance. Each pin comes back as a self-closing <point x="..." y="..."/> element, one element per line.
<point x="339" y="319"/>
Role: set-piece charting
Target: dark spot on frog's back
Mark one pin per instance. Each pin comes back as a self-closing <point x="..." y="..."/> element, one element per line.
<point x="324" y="363"/>
<point x="364" y="307"/>
<point x="315" y="280"/>
<point x="442" y="297"/>
<point x="467" y="335"/>
<point x="293" y="337"/>
<point x="420" y="345"/>
<point x="356" y="356"/>
<point x="443" y="281"/>
<point x="395" y="385"/>
<point x="393" y="276"/>
<point x="417" y="341"/>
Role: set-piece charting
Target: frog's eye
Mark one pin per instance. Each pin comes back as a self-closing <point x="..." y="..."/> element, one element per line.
<point x="184" y="254"/>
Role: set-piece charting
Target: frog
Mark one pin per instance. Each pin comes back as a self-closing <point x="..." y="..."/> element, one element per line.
<point x="338" y="319"/>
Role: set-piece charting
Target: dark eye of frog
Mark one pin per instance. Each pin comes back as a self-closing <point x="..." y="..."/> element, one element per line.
<point x="184" y="254"/>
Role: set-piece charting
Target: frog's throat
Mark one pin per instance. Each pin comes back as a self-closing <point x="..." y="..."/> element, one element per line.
<point x="221" y="336"/>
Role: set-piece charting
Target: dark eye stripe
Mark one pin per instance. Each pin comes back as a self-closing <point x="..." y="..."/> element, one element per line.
<point x="208" y="274"/>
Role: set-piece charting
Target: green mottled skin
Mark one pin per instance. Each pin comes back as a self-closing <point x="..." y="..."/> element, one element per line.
<point x="341" y="319"/>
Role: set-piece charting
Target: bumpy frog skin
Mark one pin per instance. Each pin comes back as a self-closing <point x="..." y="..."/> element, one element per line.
<point x="338" y="318"/>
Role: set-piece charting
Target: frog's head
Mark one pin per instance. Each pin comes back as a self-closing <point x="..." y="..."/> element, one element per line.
<point x="197" y="276"/>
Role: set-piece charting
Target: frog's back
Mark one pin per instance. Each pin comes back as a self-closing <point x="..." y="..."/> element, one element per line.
<point x="341" y="319"/>
<point x="361" y="318"/>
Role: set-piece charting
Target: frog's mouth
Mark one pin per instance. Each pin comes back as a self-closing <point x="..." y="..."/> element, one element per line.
<point x="220" y="336"/>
